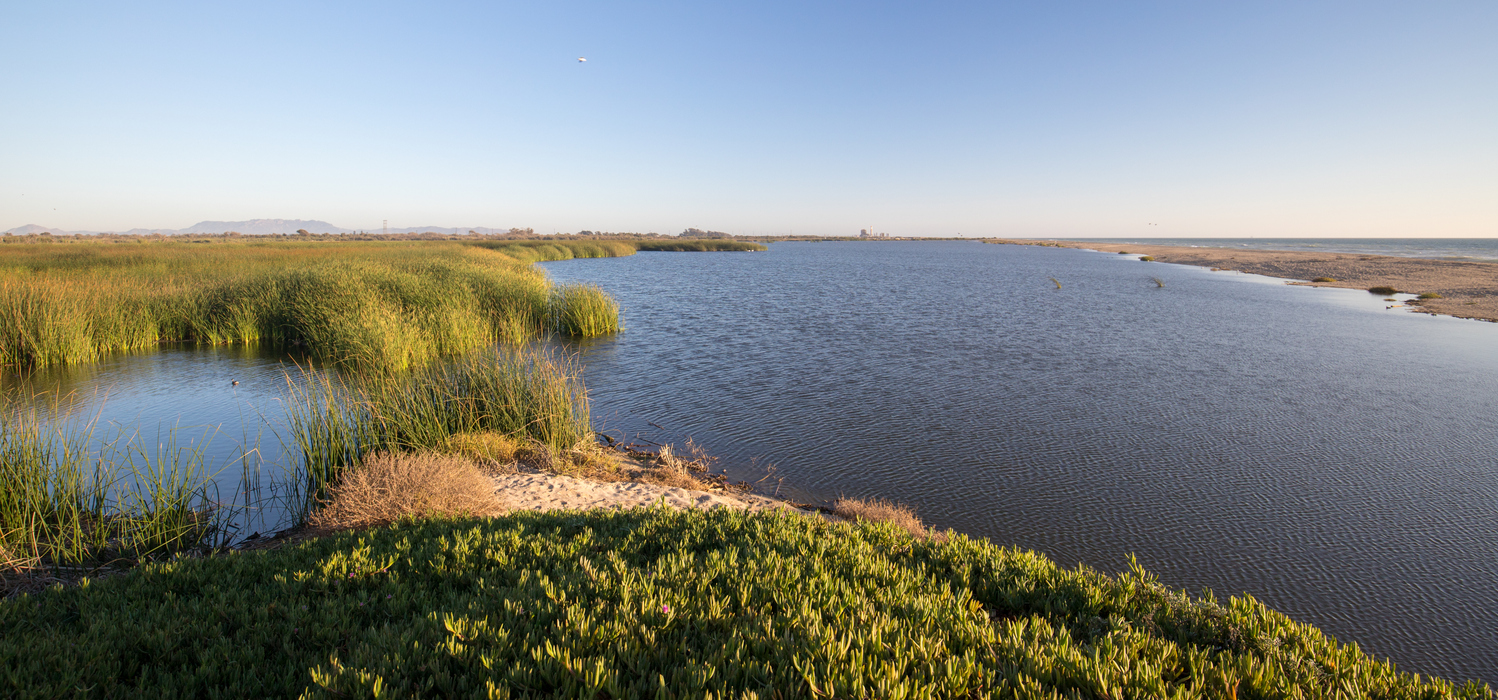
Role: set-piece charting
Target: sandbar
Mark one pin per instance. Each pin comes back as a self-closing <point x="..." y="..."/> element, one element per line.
<point x="1468" y="289"/>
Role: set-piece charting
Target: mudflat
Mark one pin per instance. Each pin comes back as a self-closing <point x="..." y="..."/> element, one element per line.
<point x="1467" y="289"/>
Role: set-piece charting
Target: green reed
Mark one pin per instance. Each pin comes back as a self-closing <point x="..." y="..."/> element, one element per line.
<point x="529" y="394"/>
<point x="67" y="497"/>
<point x="583" y="311"/>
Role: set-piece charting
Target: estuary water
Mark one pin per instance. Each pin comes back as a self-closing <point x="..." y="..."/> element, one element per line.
<point x="1334" y="458"/>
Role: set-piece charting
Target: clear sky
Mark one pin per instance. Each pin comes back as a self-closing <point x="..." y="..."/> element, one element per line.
<point x="1035" y="118"/>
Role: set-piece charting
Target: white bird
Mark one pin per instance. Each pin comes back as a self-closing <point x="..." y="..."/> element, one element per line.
<point x="580" y="59"/>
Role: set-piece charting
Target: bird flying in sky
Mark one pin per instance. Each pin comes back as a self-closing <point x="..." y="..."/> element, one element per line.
<point x="580" y="59"/>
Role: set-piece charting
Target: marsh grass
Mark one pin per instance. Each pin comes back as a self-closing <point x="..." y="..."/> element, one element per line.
<point x="1147" y="258"/>
<point x="527" y="396"/>
<point x="583" y="311"/>
<point x="1324" y="279"/>
<point x="68" y="497"/>
<point x="375" y="306"/>
<point x="1382" y="291"/>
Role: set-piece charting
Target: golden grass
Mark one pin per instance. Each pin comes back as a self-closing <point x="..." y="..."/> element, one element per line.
<point x="387" y="486"/>
<point x="879" y="510"/>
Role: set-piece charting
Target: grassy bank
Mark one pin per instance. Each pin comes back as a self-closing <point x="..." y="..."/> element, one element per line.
<point x="663" y="603"/>
<point x="385" y="306"/>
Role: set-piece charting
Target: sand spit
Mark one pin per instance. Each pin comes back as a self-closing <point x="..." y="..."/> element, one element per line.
<point x="536" y="490"/>
<point x="1467" y="289"/>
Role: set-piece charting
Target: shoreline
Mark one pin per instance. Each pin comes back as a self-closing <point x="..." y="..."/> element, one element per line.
<point x="1467" y="289"/>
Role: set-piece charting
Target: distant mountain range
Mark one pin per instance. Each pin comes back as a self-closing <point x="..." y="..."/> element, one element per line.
<point x="257" y="227"/>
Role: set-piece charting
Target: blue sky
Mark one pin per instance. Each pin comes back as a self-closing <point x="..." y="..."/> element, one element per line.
<point x="1046" y="119"/>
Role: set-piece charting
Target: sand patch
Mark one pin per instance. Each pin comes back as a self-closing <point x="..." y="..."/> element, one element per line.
<point x="534" y="490"/>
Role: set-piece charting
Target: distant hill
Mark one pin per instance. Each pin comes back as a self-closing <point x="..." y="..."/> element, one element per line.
<point x="263" y="226"/>
<point x="34" y="229"/>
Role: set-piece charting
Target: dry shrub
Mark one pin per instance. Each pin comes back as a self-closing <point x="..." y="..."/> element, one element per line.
<point x="387" y="486"/>
<point x="879" y="510"/>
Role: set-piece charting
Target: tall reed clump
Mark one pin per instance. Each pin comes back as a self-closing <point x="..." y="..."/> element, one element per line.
<point x="66" y="498"/>
<point x="527" y="394"/>
<point x="583" y="311"/>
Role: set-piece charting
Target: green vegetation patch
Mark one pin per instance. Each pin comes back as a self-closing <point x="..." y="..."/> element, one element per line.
<point x="1431" y="295"/>
<point x="663" y="603"/>
<point x="1383" y="291"/>
<point x="1147" y="258"/>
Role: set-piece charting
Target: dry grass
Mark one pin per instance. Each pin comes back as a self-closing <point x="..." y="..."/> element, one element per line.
<point x="387" y="486"/>
<point x="493" y="451"/>
<point x="881" y="511"/>
<point x="686" y="467"/>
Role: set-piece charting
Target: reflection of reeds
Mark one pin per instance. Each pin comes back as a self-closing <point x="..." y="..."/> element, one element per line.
<point x="1158" y="282"/>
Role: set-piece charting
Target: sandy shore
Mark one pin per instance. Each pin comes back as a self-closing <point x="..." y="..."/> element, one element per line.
<point x="534" y="490"/>
<point x="1467" y="289"/>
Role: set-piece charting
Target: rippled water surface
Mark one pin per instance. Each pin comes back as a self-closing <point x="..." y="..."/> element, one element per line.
<point x="1334" y="458"/>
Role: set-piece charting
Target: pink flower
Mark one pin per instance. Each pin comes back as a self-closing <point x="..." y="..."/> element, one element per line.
<point x="665" y="608"/>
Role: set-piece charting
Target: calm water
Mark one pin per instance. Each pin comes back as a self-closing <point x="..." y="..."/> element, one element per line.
<point x="1336" y="459"/>
<point x="1475" y="249"/>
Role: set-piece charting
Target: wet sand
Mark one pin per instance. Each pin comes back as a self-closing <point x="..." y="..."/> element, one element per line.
<point x="1467" y="289"/>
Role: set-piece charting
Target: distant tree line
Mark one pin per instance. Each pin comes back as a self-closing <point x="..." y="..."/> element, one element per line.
<point x="699" y="233"/>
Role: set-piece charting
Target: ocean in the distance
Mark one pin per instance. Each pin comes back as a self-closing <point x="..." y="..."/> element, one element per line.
<point x="1474" y="249"/>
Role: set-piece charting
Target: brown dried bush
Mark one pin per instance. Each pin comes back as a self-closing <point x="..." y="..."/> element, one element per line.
<point x="387" y="486"/>
<point x="879" y="510"/>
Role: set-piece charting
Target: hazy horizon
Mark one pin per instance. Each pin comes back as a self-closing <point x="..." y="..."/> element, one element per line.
<point x="1062" y="120"/>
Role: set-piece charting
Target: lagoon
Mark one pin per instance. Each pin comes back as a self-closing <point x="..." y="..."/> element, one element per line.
<point x="1334" y="458"/>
